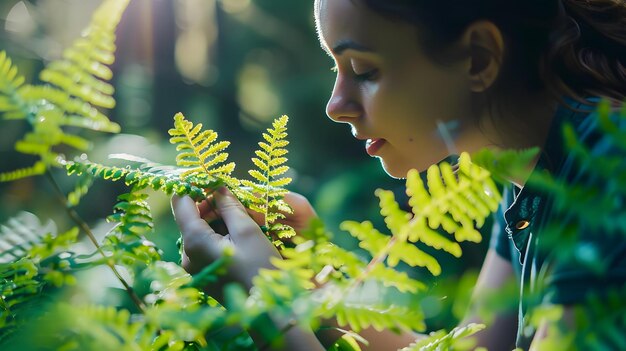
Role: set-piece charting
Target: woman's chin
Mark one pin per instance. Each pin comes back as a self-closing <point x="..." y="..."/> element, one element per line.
<point x="399" y="170"/>
<point x="395" y="171"/>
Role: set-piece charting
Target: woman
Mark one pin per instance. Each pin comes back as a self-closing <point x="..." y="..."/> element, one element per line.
<point x="504" y="73"/>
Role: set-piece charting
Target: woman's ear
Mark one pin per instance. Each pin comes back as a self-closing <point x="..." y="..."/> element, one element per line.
<point x="485" y="45"/>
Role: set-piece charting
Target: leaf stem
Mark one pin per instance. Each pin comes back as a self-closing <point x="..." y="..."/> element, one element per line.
<point x="382" y="255"/>
<point x="85" y="228"/>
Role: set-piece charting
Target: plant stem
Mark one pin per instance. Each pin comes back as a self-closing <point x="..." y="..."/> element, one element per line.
<point x="382" y="255"/>
<point x="85" y="228"/>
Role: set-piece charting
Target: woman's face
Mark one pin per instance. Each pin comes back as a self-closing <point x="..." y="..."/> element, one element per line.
<point x="388" y="90"/>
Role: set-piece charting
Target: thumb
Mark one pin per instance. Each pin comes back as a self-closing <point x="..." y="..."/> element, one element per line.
<point x="241" y="226"/>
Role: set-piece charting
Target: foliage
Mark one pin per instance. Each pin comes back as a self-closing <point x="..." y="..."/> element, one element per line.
<point x="588" y="203"/>
<point x="76" y="87"/>
<point x="454" y="340"/>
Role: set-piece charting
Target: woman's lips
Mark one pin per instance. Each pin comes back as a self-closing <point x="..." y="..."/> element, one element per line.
<point x="373" y="145"/>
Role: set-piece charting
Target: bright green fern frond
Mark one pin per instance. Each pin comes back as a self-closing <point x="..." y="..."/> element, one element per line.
<point x="83" y="70"/>
<point x="506" y="165"/>
<point x="127" y="241"/>
<point x="361" y="316"/>
<point x="75" y="86"/>
<point x="456" y="339"/>
<point x="267" y="190"/>
<point x="456" y="201"/>
<point x="10" y="82"/>
<point x="133" y="214"/>
<point x="369" y="237"/>
<point x="199" y="154"/>
<point x="399" y="280"/>
<point x="37" y="169"/>
<point x="78" y="113"/>
<point x="161" y="178"/>
<point x="395" y="218"/>
<point x="80" y="189"/>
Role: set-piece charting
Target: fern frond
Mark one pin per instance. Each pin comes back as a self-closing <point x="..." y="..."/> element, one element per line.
<point x="458" y="202"/>
<point x="507" y="164"/>
<point x="83" y="70"/>
<point x="30" y="259"/>
<point x="456" y="339"/>
<point x="455" y="202"/>
<point x="201" y="157"/>
<point x="161" y="178"/>
<point x="37" y="169"/>
<point x="74" y="86"/>
<point x="267" y="185"/>
<point x="360" y="316"/>
<point x="80" y="189"/>
<point x="20" y="233"/>
<point x="10" y="82"/>
<point x="126" y="242"/>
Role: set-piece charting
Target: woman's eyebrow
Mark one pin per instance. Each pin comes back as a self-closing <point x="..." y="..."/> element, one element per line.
<point x="344" y="45"/>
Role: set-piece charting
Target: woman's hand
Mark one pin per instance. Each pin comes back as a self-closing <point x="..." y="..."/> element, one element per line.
<point x="202" y="244"/>
<point x="299" y="220"/>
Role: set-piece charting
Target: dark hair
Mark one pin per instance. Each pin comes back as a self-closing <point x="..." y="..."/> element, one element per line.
<point x="571" y="47"/>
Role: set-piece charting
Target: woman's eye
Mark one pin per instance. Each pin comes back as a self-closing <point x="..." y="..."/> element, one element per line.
<point x="366" y="76"/>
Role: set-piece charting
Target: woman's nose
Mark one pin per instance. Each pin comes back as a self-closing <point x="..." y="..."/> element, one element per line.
<point x="343" y="106"/>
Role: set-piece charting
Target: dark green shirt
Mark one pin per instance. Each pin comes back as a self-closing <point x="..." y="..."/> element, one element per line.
<point x="597" y="263"/>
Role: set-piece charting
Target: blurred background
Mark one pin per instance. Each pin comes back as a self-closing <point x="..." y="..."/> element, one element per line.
<point x="233" y="65"/>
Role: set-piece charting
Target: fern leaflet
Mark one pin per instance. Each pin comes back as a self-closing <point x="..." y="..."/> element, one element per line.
<point x="268" y="190"/>
<point x="127" y="243"/>
<point x="201" y="156"/>
<point x="456" y="339"/>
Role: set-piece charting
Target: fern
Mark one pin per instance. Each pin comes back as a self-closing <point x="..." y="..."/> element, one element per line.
<point x="364" y="315"/>
<point x="268" y="189"/>
<point x="458" y="203"/>
<point x="80" y="189"/>
<point x="442" y="341"/>
<point x="127" y="243"/>
<point x="38" y="258"/>
<point x="201" y="156"/>
<point x="20" y="233"/>
<point x="11" y="104"/>
<point x="507" y="164"/>
<point x="162" y="178"/>
<point x="76" y="86"/>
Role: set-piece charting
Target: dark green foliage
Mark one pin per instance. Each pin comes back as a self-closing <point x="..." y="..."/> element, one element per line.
<point x="38" y="258"/>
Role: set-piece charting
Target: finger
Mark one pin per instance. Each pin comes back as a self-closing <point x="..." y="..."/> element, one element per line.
<point x="235" y="216"/>
<point x="196" y="233"/>
<point x="207" y="209"/>
<point x="257" y="217"/>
